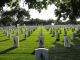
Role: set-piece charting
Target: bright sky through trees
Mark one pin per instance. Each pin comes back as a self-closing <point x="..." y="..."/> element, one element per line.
<point x="45" y="14"/>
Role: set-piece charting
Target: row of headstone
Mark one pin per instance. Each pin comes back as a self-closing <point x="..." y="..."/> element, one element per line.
<point x="12" y="30"/>
<point x="16" y="38"/>
<point x="41" y="39"/>
<point x="58" y="37"/>
<point x="65" y="32"/>
<point x="67" y="38"/>
<point x="41" y="53"/>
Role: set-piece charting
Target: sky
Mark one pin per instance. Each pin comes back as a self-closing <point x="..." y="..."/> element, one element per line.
<point x="45" y="14"/>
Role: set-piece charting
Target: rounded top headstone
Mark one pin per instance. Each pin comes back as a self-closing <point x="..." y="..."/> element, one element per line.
<point x="41" y="49"/>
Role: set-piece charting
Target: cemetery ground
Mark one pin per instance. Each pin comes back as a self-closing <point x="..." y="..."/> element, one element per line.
<point x="26" y="48"/>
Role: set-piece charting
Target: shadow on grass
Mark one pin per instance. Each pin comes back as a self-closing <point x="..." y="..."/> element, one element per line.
<point x="2" y="35"/>
<point x="59" y="52"/>
<point x="77" y="42"/>
<point x="7" y="50"/>
<point x="37" y="40"/>
<point x="22" y="40"/>
<point x="4" y="40"/>
<point x="33" y="53"/>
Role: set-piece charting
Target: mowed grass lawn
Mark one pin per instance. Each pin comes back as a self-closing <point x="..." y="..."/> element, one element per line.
<point x="27" y="47"/>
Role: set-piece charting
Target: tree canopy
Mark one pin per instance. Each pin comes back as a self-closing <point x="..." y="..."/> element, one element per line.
<point x="65" y="8"/>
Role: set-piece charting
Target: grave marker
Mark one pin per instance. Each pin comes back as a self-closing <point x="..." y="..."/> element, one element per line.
<point x="67" y="41"/>
<point x="24" y="36"/>
<point x="41" y="42"/>
<point x="41" y="54"/>
<point x="58" y="37"/>
<point x="16" y="41"/>
<point x="8" y="36"/>
<point x="53" y="33"/>
<point x="65" y="32"/>
<point x="74" y="36"/>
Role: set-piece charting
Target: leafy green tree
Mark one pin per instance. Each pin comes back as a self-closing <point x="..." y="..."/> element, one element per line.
<point x="65" y="8"/>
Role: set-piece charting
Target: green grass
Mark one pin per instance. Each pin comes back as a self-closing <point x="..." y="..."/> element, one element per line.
<point x="24" y="52"/>
<point x="27" y="47"/>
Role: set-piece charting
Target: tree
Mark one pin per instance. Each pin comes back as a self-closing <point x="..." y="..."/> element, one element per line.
<point x="65" y="8"/>
<point x="21" y="13"/>
<point x="68" y="9"/>
<point x="6" y="21"/>
<point x="2" y="2"/>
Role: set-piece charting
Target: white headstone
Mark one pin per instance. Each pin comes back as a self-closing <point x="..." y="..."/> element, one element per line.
<point x="65" y="32"/>
<point x="53" y="33"/>
<point x="58" y="37"/>
<point x="8" y="36"/>
<point x="41" y="54"/>
<point x="74" y="36"/>
<point x="24" y="36"/>
<point x="67" y="41"/>
<point x="6" y="33"/>
<point x="28" y="33"/>
<point x="17" y="33"/>
<point x="60" y="31"/>
<point x="41" y="42"/>
<point x="16" y="41"/>
<point x="18" y="28"/>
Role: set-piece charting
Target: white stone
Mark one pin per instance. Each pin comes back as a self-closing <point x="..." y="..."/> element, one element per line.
<point x="17" y="33"/>
<point x="65" y="32"/>
<point x="6" y="33"/>
<point x="16" y="41"/>
<point x="58" y="37"/>
<point x="43" y="52"/>
<point x="8" y="36"/>
<point x="67" y="41"/>
<point x="24" y="36"/>
<point x="74" y="36"/>
<point x="53" y="33"/>
<point x="28" y="33"/>
<point x="41" y="41"/>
